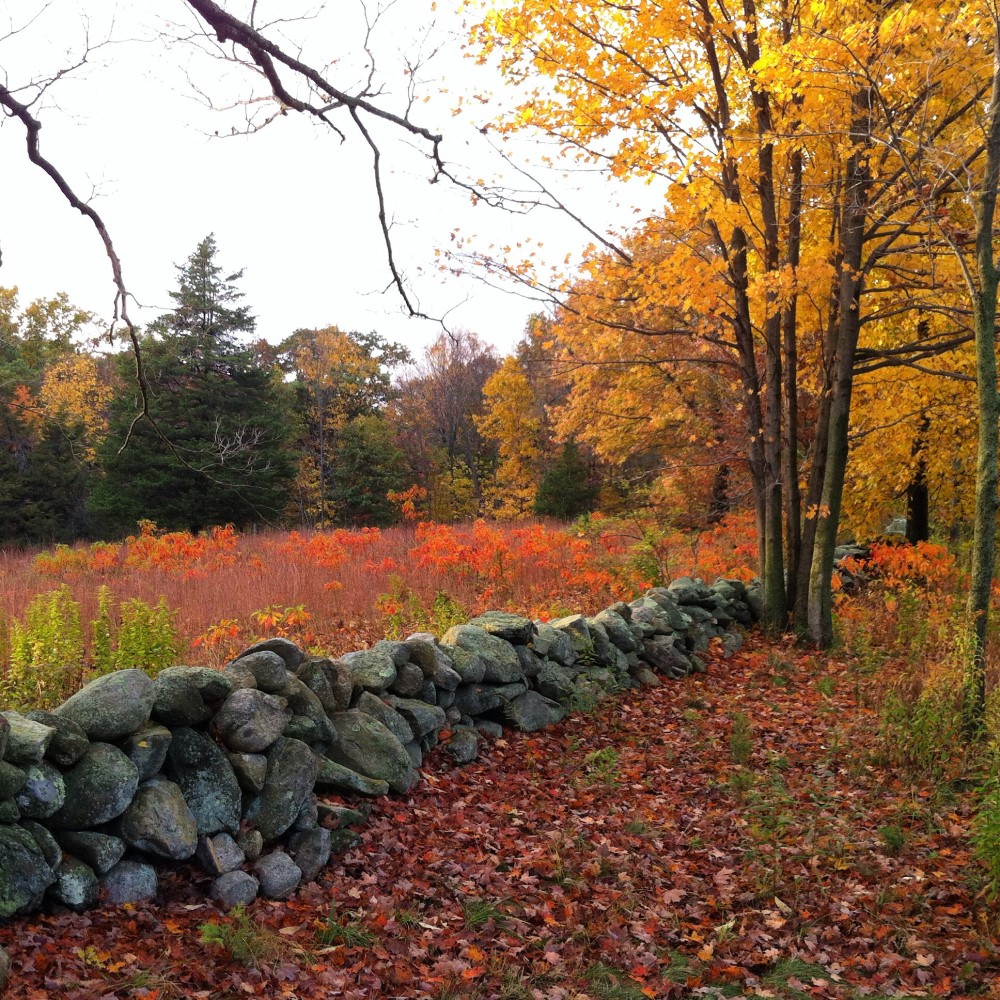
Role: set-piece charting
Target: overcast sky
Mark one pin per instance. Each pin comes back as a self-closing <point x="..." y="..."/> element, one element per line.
<point x="291" y="204"/>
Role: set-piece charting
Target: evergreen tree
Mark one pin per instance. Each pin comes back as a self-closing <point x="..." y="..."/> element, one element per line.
<point x="565" y="490"/>
<point x="366" y="466"/>
<point x="217" y="448"/>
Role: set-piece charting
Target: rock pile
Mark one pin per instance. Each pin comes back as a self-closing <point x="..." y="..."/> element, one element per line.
<point x="232" y="767"/>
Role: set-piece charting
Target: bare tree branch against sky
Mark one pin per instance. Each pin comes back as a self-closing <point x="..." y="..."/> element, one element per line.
<point x="308" y="144"/>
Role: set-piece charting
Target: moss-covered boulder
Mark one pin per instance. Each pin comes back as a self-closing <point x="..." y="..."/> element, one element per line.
<point x="111" y="706"/>
<point x="99" y="788"/>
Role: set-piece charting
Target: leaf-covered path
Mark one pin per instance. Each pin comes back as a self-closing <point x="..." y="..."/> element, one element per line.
<point x="729" y="835"/>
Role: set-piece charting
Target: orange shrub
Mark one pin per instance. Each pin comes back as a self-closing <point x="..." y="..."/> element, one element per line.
<point x="329" y="589"/>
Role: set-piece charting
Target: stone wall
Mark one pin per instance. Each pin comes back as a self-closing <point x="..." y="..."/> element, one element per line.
<point x="234" y="768"/>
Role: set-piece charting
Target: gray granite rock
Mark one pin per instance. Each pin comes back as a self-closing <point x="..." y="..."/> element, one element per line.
<point x="147" y="749"/>
<point x="26" y="741"/>
<point x="11" y="779"/>
<point x="501" y="663"/>
<point x="251" y="843"/>
<point x="421" y="717"/>
<point x="128" y="882"/>
<point x="187" y="696"/>
<point x="111" y="706"/>
<point x="290" y="654"/>
<point x="372" y="669"/>
<point x="344" y="779"/>
<point x="409" y="681"/>
<point x="316" y="674"/>
<point x="310" y="850"/>
<point x="70" y="741"/>
<point x="531" y="711"/>
<point x="366" y="746"/>
<point x="46" y="842"/>
<point x="76" y="886"/>
<point x="43" y="791"/>
<point x="100" y="851"/>
<point x="220" y="854"/>
<point x="207" y="781"/>
<point x="385" y="713"/>
<point x="159" y="822"/>
<point x="304" y="702"/>
<point x="475" y="699"/>
<point x="292" y="769"/>
<point x="99" y="787"/>
<point x="515" y="629"/>
<point x="24" y="872"/>
<point x="278" y="875"/>
<point x="463" y="747"/>
<point x="235" y="888"/>
<point x="267" y="667"/>
<point x="250" y="720"/>
<point x="250" y="770"/>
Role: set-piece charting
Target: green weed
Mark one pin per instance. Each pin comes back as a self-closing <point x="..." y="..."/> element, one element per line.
<point x="46" y="652"/>
<point x="350" y="933"/>
<point x="147" y="636"/>
<point x="247" y="941"/>
<point x="741" y="780"/>
<point x="602" y="765"/>
<point x="922" y="734"/>
<point x="608" y="983"/>
<point x="101" y="661"/>
<point x="479" y="912"/>
<point x="986" y="832"/>
<point x="741" y="738"/>
<point x="893" y="838"/>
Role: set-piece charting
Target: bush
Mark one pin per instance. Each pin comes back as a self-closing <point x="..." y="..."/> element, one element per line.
<point x="147" y="636"/>
<point x="46" y="651"/>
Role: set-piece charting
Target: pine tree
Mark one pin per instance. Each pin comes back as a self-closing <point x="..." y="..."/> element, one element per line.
<point x="217" y="447"/>
<point x="565" y="490"/>
<point x="367" y="465"/>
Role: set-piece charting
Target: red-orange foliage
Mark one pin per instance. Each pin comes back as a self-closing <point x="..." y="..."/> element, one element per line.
<point x="226" y="586"/>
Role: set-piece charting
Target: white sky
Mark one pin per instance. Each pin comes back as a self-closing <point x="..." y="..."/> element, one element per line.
<point x="291" y="204"/>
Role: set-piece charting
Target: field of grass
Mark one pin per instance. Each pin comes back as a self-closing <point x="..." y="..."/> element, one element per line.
<point x="336" y="590"/>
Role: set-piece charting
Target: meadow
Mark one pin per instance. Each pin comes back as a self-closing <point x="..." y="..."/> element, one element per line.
<point x="330" y="591"/>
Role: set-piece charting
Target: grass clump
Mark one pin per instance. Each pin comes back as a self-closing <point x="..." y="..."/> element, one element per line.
<point x="349" y="933"/>
<point x="608" y="983"/>
<point x="247" y="940"/>
<point x="479" y="912"/>
<point x="602" y="765"/>
<point x="793" y="968"/>
<point x="741" y="738"/>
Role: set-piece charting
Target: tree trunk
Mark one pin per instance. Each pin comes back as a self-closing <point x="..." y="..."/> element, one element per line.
<point x="817" y="471"/>
<point x="790" y="446"/>
<point x="984" y="533"/>
<point x="858" y="179"/>
<point x="918" y="528"/>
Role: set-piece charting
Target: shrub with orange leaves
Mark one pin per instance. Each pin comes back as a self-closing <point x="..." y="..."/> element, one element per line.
<point x="231" y="589"/>
<point x="923" y="564"/>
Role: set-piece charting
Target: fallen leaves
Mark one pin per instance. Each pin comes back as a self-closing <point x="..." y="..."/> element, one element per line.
<point x="677" y="871"/>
